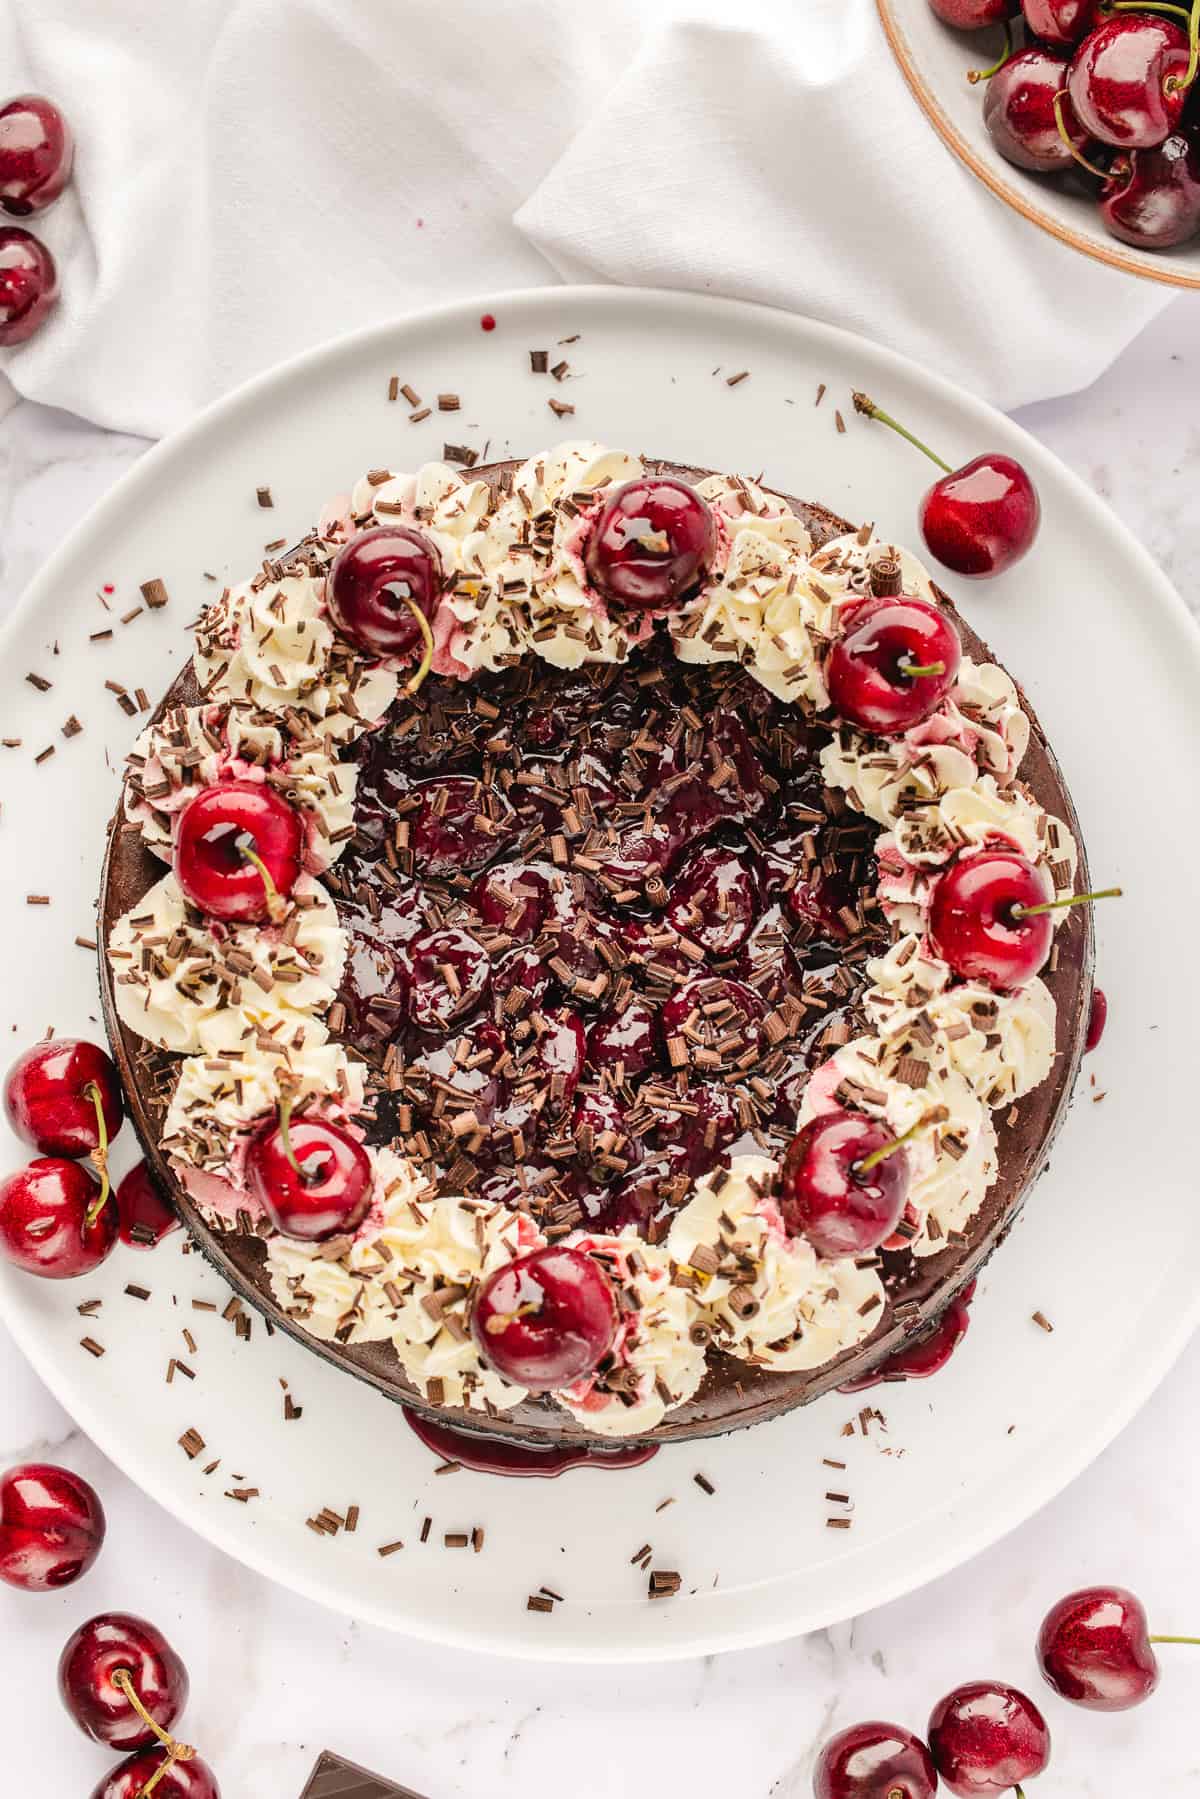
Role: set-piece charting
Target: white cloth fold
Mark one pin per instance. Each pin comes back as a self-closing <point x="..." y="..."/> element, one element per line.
<point x="255" y="176"/>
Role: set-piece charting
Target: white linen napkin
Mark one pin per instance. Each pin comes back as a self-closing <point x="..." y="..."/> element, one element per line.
<point x="255" y="176"/>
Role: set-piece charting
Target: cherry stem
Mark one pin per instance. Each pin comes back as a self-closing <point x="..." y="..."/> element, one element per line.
<point x="915" y="670"/>
<point x="864" y="404"/>
<point x="99" y="1156"/>
<point x="178" y="1752"/>
<point x="285" y="1119"/>
<point x="1195" y="1640"/>
<point x="1072" y="899"/>
<point x="974" y="76"/>
<point x="1162" y="6"/>
<point x="888" y="1149"/>
<point x="426" y="662"/>
<point x="1173" y="84"/>
<point x="1092" y="168"/>
<point x="276" y="907"/>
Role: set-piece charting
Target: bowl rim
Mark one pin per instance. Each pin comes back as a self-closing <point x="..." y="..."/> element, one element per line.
<point x="1168" y="275"/>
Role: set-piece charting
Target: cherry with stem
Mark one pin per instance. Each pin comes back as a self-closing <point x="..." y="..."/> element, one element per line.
<point x="978" y="519"/>
<point x="975" y="76"/>
<point x="122" y="1679"/>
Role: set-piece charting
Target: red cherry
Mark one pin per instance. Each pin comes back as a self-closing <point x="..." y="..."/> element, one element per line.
<point x="191" y="1779"/>
<point x="36" y="152"/>
<point x="893" y="665"/>
<point x="1096" y="1650"/>
<point x="383" y="590"/>
<point x="826" y="1193"/>
<point x="547" y="1319"/>
<point x="107" y="1658"/>
<point x="146" y="1217"/>
<point x="1151" y="198"/>
<point x="973" y="15"/>
<point x="712" y="1012"/>
<point x="1061" y="22"/>
<point x="514" y="898"/>
<point x="448" y="977"/>
<point x="314" y="1180"/>
<point x="986" y="1738"/>
<point x="55" y="1220"/>
<point x="627" y="1037"/>
<point x="977" y="923"/>
<point x="1019" y="112"/>
<point x="1127" y="80"/>
<point x="651" y="544"/>
<point x="979" y="519"/>
<point x="875" y="1761"/>
<point x="28" y="284"/>
<point x="444" y="831"/>
<point x="237" y="851"/>
<point x="714" y="900"/>
<point x="52" y="1527"/>
<point x="51" y="1095"/>
<point x="487" y="322"/>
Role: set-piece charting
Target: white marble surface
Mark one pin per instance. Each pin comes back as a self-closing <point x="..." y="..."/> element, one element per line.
<point x="275" y="1679"/>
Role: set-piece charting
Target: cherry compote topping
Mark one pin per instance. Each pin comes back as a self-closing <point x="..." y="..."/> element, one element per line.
<point x="597" y="918"/>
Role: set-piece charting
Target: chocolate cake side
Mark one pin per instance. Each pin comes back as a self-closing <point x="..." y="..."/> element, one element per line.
<point x="734" y="1394"/>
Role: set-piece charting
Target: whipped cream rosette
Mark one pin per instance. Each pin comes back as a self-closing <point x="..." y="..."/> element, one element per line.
<point x="193" y="747"/>
<point x="768" y="1296"/>
<point x="657" y="1359"/>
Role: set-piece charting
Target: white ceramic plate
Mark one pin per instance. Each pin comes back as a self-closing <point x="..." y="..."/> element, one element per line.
<point x="1110" y="1244"/>
<point x="936" y="61"/>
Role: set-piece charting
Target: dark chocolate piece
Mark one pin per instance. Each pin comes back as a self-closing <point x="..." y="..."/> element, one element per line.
<point x="335" y="1778"/>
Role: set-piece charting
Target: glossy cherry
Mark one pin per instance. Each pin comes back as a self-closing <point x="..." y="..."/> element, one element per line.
<point x="973" y="15"/>
<point x="1061" y="22"/>
<point x="1096" y="1650"/>
<point x="978" y="519"/>
<point x="146" y="1215"/>
<point x="1151" y="198"/>
<point x="384" y="588"/>
<point x="827" y="1194"/>
<point x="651" y="543"/>
<point x="625" y="1038"/>
<point x="51" y="1527"/>
<point x="875" y="1761"/>
<point x="28" y="284"/>
<point x="979" y="920"/>
<point x="313" y="1179"/>
<point x="51" y="1095"/>
<point x="110" y="1658"/>
<point x="714" y="899"/>
<point x="893" y="665"/>
<point x="144" y="1773"/>
<point x="448" y="977"/>
<point x="1019" y="112"/>
<point x="238" y="848"/>
<point x="547" y="1319"/>
<point x="55" y="1219"/>
<point x="36" y="152"/>
<point x="986" y="1738"/>
<point x="1129" y="80"/>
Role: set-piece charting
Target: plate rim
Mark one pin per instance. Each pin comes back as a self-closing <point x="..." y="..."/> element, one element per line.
<point x="1166" y="275"/>
<point x="1027" y="1497"/>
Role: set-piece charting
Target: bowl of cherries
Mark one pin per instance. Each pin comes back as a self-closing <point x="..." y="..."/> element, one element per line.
<point x="1083" y="115"/>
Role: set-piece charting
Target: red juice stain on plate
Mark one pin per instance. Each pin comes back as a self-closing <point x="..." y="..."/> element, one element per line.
<point x="145" y="1216"/>
<point x="487" y="322"/>
<point x="483" y="1455"/>
<point x="925" y="1355"/>
<point x="1097" y="1019"/>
